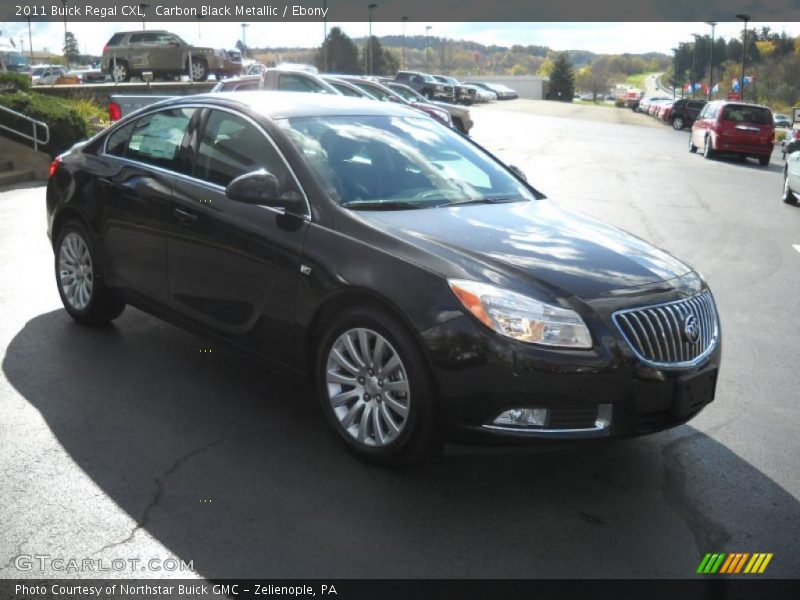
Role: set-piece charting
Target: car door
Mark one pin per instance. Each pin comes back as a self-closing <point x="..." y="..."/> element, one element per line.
<point x="233" y="267"/>
<point x="700" y="125"/>
<point x="134" y="187"/>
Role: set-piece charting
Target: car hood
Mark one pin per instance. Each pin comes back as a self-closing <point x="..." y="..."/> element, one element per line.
<point x="562" y="252"/>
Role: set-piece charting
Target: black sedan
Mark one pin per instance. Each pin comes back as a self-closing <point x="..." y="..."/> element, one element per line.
<point x="429" y="290"/>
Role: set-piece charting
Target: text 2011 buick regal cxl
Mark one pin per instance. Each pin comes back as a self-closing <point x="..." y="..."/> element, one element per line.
<point x="428" y="289"/>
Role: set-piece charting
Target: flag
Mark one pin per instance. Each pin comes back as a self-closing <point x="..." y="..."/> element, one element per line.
<point x="689" y="87"/>
<point x="715" y="89"/>
<point x="698" y="87"/>
<point x="705" y="89"/>
<point x="735" y="85"/>
<point x="748" y="79"/>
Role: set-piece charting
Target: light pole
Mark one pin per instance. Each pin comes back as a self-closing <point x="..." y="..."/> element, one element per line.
<point x="405" y="66"/>
<point x="427" y="47"/>
<point x="244" y="40"/>
<point x="324" y="36"/>
<point x="143" y="7"/>
<point x="744" y="18"/>
<point x="369" y="39"/>
<point x="30" y="41"/>
<point x="711" y="60"/>
<point x="694" y="63"/>
<point x="674" y="71"/>
<point x="64" y="2"/>
<point x="199" y="35"/>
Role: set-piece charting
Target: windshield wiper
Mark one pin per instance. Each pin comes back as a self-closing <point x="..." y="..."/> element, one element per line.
<point x="382" y="205"/>
<point x="485" y="201"/>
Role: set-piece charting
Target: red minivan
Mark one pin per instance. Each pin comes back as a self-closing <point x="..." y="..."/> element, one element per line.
<point x="734" y="128"/>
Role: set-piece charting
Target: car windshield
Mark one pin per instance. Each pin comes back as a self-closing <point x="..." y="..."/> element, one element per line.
<point x="385" y="162"/>
<point x="373" y="90"/>
<point x="38" y="72"/>
<point x="408" y="93"/>
<point x="742" y="113"/>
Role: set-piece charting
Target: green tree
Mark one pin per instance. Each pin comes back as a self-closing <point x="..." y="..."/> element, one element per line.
<point x="342" y="54"/>
<point x="384" y="61"/>
<point x="71" y="49"/>
<point x="562" y="79"/>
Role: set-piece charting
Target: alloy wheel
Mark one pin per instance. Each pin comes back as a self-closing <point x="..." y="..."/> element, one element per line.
<point x="368" y="387"/>
<point x="198" y="70"/>
<point x="76" y="275"/>
<point x="677" y="123"/>
<point x="120" y="72"/>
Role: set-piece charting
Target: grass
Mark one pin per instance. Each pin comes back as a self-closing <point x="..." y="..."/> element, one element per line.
<point x="637" y="80"/>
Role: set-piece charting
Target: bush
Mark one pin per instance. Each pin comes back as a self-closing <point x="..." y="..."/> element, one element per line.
<point x="15" y="81"/>
<point x="619" y="103"/>
<point x="67" y="125"/>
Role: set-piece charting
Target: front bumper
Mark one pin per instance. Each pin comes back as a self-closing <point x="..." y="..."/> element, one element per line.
<point x="603" y="392"/>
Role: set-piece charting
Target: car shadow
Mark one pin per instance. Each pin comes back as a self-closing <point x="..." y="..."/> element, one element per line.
<point x="231" y="465"/>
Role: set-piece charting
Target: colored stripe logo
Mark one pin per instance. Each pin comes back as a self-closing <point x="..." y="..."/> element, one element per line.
<point x="736" y="562"/>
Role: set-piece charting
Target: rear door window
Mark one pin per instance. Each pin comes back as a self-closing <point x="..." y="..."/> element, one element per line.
<point x="156" y="139"/>
<point x="297" y="83"/>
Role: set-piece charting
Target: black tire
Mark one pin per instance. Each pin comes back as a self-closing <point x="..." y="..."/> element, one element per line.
<point x="692" y="147"/>
<point x="122" y="73"/>
<point x="788" y="194"/>
<point x="764" y="160"/>
<point x="678" y="123"/>
<point x="198" y="70"/>
<point x="104" y="304"/>
<point x="708" y="148"/>
<point x="459" y="125"/>
<point x="418" y="433"/>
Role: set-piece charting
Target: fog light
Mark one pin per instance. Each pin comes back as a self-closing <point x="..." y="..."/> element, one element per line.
<point x="523" y="417"/>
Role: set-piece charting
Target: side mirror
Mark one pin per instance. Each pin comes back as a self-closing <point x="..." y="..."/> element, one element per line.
<point x="262" y="187"/>
<point x="518" y="172"/>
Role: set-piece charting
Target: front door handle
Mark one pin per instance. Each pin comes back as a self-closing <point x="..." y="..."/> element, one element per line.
<point x="184" y="217"/>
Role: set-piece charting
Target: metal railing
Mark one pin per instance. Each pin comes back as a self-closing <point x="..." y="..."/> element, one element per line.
<point x="34" y="124"/>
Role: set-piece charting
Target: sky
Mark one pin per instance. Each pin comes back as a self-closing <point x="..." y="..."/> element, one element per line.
<point x="602" y="38"/>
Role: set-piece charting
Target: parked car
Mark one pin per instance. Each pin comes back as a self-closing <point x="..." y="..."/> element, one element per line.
<point x="130" y="53"/>
<point x="346" y="88"/>
<point x="503" y="92"/>
<point x="426" y="85"/>
<point x="791" y="171"/>
<point x="254" y="69"/>
<point x="459" y="115"/>
<point x="47" y="75"/>
<point x="737" y="128"/>
<point x="418" y="281"/>
<point x="792" y="135"/>
<point x="12" y="60"/>
<point x="464" y="94"/>
<point x="684" y="112"/>
<point x="381" y="92"/>
<point x="782" y="120"/>
<point x="245" y="83"/>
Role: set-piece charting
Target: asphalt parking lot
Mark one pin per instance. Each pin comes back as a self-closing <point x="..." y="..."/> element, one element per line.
<point x="136" y="442"/>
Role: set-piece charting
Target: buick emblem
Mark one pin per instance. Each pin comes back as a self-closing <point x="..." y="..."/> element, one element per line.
<point x="691" y="329"/>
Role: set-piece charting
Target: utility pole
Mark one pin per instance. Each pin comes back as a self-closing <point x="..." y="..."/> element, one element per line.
<point x="405" y="64"/>
<point x="427" y="48"/>
<point x="694" y="63"/>
<point x="324" y="36"/>
<point x="244" y="40"/>
<point x="30" y="41"/>
<point x="369" y="39"/>
<point x="711" y="60"/>
<point x="143" y="7"/>
<point x="744" y="18"/>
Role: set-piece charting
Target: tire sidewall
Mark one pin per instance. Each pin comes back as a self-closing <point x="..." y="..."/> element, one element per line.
<point x="420" y="409"/>
<point x="80" y="229"/>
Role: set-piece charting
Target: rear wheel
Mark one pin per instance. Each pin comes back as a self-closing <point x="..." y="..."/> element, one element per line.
<point x="677" y="123"/>
<point x="459" y="125"/>
<point x="764" y="160"/>
<point x="120" y="71"/>
<point x="199" y="70"/>
<point x="80" y="280"/>
<point x="788" y="194"/>
<point x="374" y="388"/>
<point x="708" y="149"/>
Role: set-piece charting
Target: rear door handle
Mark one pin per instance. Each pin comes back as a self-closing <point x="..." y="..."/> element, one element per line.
<point x="184" y="217"/>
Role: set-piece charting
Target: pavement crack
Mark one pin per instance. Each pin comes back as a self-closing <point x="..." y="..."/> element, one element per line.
<point x="708" y="534"/>
<point x="159" y="491"/>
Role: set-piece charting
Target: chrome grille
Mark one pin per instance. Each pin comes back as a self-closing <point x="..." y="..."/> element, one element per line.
<point x="657" y="333"/>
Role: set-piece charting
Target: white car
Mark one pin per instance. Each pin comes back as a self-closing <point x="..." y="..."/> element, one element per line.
<point x="47" y="75"/>
<point x="485" y="95"/>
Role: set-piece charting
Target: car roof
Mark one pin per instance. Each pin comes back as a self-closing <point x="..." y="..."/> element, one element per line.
<point x="277" y="105"/>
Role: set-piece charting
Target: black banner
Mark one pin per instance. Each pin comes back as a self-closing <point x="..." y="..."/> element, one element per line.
<point x="395" y="10"/>
<point x="707" y="588"/>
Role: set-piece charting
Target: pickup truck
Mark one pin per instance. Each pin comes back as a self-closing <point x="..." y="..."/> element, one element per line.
<point x="287" y="80"/>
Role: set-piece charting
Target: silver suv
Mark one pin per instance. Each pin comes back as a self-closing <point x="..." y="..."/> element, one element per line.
<point x="131" y="53"/>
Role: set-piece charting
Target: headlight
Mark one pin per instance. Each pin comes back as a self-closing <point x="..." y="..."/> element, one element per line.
<point x="521" y="317"/>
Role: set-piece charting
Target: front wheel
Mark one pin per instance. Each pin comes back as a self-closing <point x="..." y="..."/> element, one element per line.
<point x="677" y="123"/>
<point x="764" y="160"/>
<point x="788" y="194"/>
<point x="80" y="280"/>
<point x="692" y="147"/>
<point x="120" y="71"/>
<point x="374" y="388"/>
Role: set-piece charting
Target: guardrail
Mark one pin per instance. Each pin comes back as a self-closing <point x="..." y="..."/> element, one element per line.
<point x="34" y="123"/>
